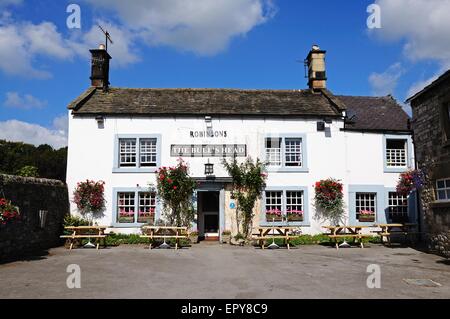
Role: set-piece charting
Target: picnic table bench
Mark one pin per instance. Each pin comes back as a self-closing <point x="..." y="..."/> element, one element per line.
<point x="85" y="232"/>
<point x="264" y="233"/>
<point x="165" y="232"/>
<point x="354" y="232"/>
<point x="387" y="230"/>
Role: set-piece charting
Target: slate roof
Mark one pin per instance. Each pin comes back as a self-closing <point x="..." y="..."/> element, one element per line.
<point x="374" y="113"/>
<point x="206" y="102"/>
<point x="367" y="113"/>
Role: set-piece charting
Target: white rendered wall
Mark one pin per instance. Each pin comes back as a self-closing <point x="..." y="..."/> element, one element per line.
<point x="355" y="158"/>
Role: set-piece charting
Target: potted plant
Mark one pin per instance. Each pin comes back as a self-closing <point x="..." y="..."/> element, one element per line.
<point x="89" y="198"/>
<point x="410" y="180"/>
<point x="238" y="240"/>
<point x="147" y="216"/>
<point x="226" y="237"/>
<point x="193" y="237"/>
<point x="329" y="200"/>
<point x="274" y="215"/>
<point x="294" y="215"/>
<point x="8" y="212"/>
<point x="126" y="217"/>
<point x="366" y="216"/>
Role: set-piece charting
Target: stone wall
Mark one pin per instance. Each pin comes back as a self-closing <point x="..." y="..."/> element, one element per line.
<point x="32" y="195"/>
<point x="432" y="147"/>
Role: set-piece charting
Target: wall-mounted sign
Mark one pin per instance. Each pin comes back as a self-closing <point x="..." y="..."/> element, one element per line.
<point x="232" y="205"/>
<point x="208" y="133"/>
<point x="210" y="150"/>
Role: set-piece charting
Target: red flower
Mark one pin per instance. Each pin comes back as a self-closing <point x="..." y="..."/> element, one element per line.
<point x="175" y="187"/>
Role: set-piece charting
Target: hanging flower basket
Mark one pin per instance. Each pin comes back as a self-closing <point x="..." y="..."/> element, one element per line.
<point x="366" y="216"/>
<point x="295" y="215"/>
<point x="274" y="215"/>
<point x="8" y="212"/>
<point x="329" y="200"/>
<point x="411" y="180"/>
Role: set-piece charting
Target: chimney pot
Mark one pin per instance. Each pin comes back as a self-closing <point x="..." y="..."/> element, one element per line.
<point x="316" y="68"/>
<point x="100" y="68"/>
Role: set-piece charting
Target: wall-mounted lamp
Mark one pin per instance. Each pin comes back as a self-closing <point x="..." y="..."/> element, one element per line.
<point x="209" y="169"/>
<point x="100" y="121"/>
<point x="42" y="218"/>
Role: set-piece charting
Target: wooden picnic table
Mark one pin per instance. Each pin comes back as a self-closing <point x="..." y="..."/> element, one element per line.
<point x="165" y="232"/>
<point x="83" y="232"/>
<point x="273" y="232"/>
<point x="387" y="230"/>
<point x="352" y="231"/>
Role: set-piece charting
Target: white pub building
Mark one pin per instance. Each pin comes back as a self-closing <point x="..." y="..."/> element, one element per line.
<point x="123" y="135"/>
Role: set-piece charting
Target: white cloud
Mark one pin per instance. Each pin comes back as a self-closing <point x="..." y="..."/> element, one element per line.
<point x="61" y="124"/>
<point x="201" y="26"/>
<point x="25" y="102"/>
<point x="386" y="82"/>
<point x="422" y="24"/>
<point x="18" y="131"/>
<point x="21" y="43"/>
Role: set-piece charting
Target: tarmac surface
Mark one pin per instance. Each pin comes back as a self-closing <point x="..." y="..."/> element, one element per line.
<point x="211" y="270"/>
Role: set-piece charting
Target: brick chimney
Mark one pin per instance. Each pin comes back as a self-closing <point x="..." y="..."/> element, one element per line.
<point x="315" y="61"/>
<point x="100" y="68"/>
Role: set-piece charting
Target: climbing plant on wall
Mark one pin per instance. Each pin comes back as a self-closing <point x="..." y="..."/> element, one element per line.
<point x="248" y="183"/>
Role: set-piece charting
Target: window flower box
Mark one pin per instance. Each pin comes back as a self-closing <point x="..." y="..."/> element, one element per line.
<point x="146" y="217"/>
<point x="366" y="216"/>
<point x="126" y="217"/>
<point x="295" y="215"/>
<point x="274" y="215"/>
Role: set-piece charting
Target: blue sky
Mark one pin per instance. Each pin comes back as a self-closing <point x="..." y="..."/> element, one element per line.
<point x="209" y="43"/>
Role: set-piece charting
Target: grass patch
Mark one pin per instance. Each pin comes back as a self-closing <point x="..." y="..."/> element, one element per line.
<point x="320" y="239"/>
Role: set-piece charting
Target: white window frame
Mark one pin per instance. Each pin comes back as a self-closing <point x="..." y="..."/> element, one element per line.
<point x="139" y="151"/>
<point x="398" y="203"/>
<point x="136" y="206"/>
<point x="396" y="157"/>
<point x="366" y="206"/>
<point x="284" y="204"/>
<point x="445" y="189"/>
<point x="271" y="154"/>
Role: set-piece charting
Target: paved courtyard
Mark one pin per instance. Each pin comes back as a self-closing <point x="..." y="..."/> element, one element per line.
<point x="222" y="271"/>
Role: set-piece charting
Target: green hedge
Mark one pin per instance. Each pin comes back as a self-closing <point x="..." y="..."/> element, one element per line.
<point x="320" y="239"/>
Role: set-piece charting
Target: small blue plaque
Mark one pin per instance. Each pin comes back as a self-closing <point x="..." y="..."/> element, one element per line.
<point x="232" y="205"/>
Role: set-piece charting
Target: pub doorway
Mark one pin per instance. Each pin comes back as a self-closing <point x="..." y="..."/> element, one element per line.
<point x="208" y="215"/>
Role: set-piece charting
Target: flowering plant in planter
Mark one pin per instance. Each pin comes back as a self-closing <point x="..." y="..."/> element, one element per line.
<point x="146" y="216"/>
<point x="89" y="197"/>
<point x="366" y="216"/>
<point x="274" y="215"/>
<point x="175" y="188"/>
<point x="410" y="180"/>
<point x="126" y="217"/>
<point x="329" y="200"/>
<point x="294" y="215"/>
<point x="8" y="212"/>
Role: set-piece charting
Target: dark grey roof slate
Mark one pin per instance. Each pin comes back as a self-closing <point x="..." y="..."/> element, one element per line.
<point x="375" y="113"/>
<point x="206" y="102"/>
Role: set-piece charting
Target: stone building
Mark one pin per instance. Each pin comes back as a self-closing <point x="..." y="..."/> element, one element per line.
<point x="431" y="125"/>
<point x="122" y="135"/>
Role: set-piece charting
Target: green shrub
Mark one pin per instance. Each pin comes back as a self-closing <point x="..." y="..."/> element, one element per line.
<point x="74" y="221"/>
<point x="320" y="239"/>
<point x="28" y="171"/>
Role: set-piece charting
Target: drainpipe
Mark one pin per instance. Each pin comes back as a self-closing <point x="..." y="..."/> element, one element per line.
<point x="418" y="201"/>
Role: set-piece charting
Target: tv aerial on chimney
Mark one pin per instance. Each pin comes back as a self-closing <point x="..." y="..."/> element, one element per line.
<point x="107" y="37"/>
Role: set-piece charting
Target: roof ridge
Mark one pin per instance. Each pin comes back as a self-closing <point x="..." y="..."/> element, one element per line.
<point x="212" y="89"/>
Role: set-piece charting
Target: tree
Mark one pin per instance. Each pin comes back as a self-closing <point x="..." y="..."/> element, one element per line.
<point x="28" y="171"/>
<point x="248" y="183"/>
<point x="175" y="188"/>
<point x="50" y="163"/>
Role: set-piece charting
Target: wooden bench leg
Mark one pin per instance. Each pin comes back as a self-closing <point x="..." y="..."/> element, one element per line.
<point x="71" y="244"/>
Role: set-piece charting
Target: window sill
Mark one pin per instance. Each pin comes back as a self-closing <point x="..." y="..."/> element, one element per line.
<point x="284" y="224"/>
<point x="440" y="204"/>
<point x="123" y="225"/>
<point x="395" y="169"/>
<point x="135" y="170"/>
<point x="287" y="169"/>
